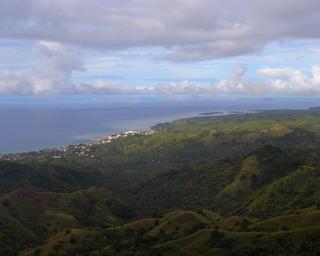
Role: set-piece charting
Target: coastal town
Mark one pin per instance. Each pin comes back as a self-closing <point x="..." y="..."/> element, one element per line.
<point x="112" y="137"/>
<point x="83" y="150"/>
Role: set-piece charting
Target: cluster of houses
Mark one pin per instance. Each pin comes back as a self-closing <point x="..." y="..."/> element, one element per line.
<point x="80" y="150"/>
<point x="112" y="137"/>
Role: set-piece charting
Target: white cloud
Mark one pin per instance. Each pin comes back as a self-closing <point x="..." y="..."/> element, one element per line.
<point x="286" y="81"/>
<point x="108" y="88"/>
<point x="51" y="76"/>
<point x="238" y="84"/>
<point x="275" y="82"/>
<point x="170" y="90"/>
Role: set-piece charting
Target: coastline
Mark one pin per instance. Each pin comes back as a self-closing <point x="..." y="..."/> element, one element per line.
<point x="82" y="147"/>
<point x="53" y="124"/>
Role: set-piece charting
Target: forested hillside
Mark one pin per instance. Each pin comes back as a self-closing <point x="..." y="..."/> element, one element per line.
<point x="243" y="184"/>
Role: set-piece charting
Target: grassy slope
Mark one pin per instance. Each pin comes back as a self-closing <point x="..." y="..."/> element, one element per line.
<point x="244" y="186"/>
<point x="191" y="161"/>
<point x="30" y="216"/>
<point x="182" y="235"/>
<point x="225" y="164"/>
<point x="13" y="235"/>
<point x="195" y="149"/>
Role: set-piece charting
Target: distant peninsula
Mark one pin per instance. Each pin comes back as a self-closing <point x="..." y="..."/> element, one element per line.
<point x="211" y="113"/>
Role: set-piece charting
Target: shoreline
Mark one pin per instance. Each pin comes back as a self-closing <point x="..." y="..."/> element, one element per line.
<point x="103" y="139"/>
<point x="49" y="127"/>
<point x="107" y="138"/>
<point x="80" y="149"/>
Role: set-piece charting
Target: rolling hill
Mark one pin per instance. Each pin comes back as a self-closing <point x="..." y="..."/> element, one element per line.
<point x="232" y="185"/>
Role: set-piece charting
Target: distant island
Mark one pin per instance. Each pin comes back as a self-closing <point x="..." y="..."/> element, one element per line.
<point x="224" y="113"/>
<point x="211" y="113"/>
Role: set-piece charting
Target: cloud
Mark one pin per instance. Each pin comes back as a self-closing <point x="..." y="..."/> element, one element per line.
<point x="286" y="81"/>
<point x="273" y="82"/>
<point x="51" y="76"/>
<point x="109" y="88"/>
<point x="172" y="89"/>
<point x="190" y="30"/>
<point x="236" y="84"/>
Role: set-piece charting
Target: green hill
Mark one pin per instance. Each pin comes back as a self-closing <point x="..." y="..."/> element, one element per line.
<point x="29" y="216"/>
<point x="231" y="185"/>
<point x="185" y="233"/>
<point x="39" y="176"/>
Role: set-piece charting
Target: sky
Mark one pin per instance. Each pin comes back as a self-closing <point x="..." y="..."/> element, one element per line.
<point x="169" y="48"/>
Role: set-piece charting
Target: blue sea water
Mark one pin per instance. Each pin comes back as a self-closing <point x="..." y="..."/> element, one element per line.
<point x="31" y="123"/>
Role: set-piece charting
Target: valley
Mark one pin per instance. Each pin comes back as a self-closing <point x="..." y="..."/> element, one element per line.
<point x="242" y="184"/>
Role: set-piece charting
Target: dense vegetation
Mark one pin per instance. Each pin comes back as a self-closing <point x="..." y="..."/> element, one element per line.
<point x="231" y="185"/>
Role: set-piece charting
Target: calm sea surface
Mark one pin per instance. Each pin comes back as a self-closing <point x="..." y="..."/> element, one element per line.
<point x="29" y="123"/>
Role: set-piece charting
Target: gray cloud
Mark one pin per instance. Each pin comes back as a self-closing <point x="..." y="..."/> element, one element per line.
<point x="190" y="29"/>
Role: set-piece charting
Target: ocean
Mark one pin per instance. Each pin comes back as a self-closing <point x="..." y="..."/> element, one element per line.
<point x="32" y="123"/>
